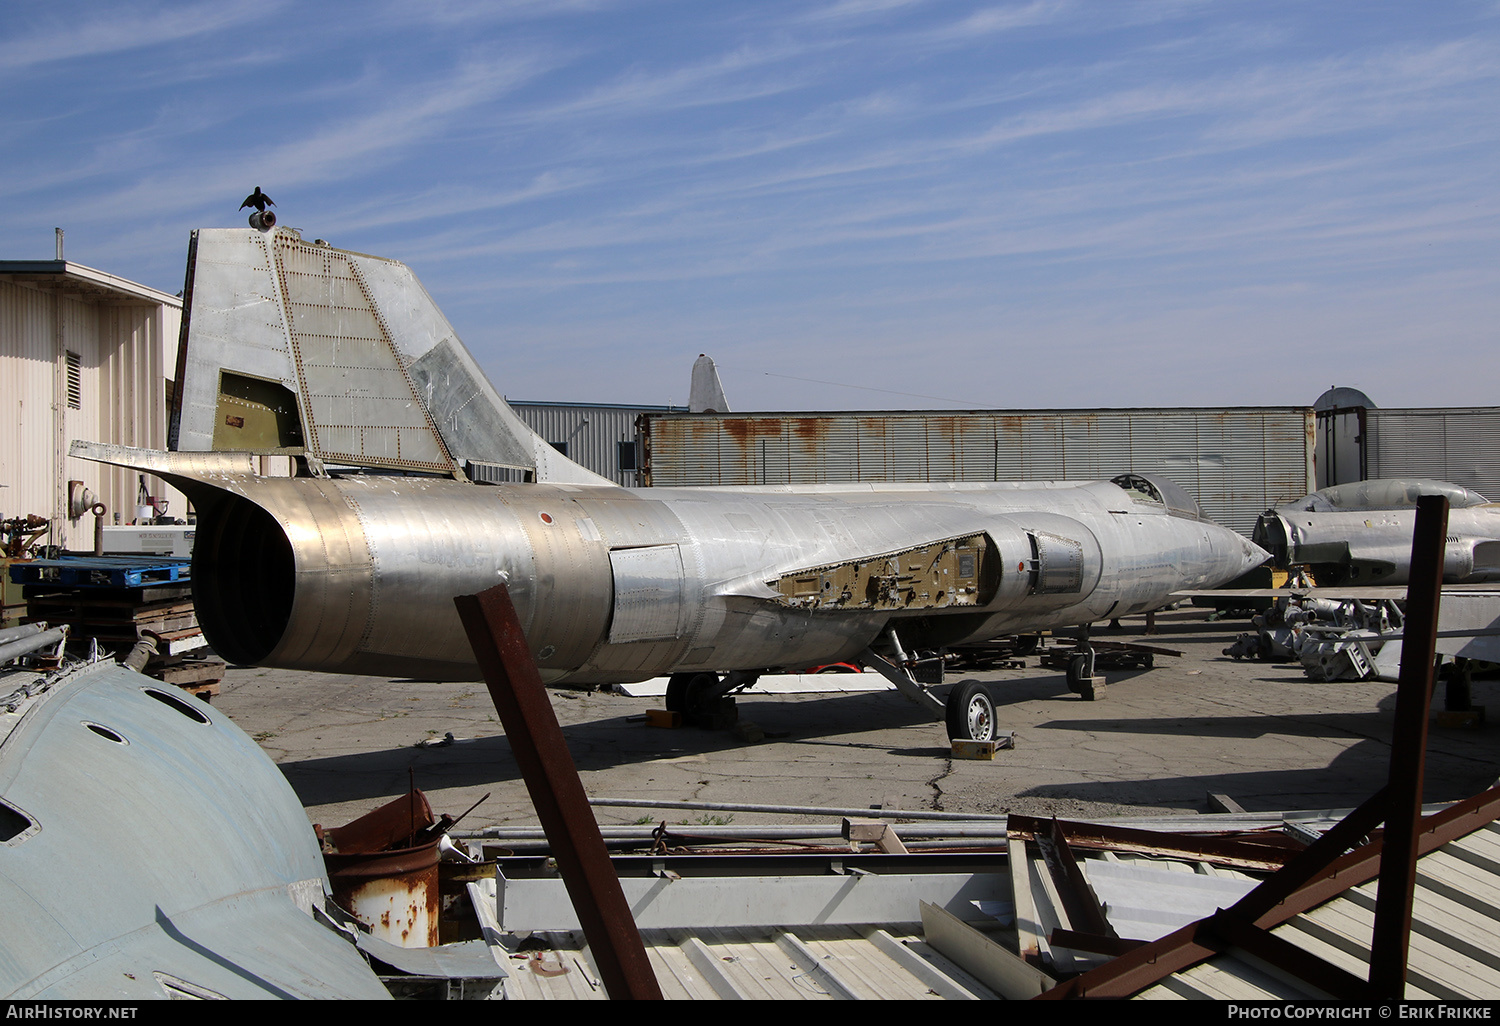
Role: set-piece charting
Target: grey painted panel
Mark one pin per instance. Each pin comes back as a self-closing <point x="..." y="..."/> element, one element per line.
<point x="648" y="593"/>
<point x="102" y="759"/>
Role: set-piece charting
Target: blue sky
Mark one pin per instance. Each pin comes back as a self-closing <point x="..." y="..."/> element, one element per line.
<point x="847" y="203"/>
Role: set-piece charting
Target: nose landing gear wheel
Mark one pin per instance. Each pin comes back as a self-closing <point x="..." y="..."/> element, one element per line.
<point x="971" y="713"/>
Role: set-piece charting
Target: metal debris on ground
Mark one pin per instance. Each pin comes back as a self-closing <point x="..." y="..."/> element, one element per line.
<point x="1333" y="639"/>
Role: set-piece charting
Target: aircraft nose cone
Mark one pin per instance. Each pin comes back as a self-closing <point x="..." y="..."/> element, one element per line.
<point x="1234" y="554"/>
<point x="1252" y="555"/>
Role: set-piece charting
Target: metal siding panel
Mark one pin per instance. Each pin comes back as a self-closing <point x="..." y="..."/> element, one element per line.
<point x="839" y="459"/>
<point x="1460" y="446"/>
<point x="775" y="454"/>
<point x="906" y="442"/>
<point x="1042" y="448"/>
<point x="1473" y="454"/>
<point x="1237" y="461"/>
<point x="975" y="445"/>
<point x="873" y="458"/>
<point x="1407" y="443"/>
<point x="122" y="372"/>
<point x="27" y="334"/>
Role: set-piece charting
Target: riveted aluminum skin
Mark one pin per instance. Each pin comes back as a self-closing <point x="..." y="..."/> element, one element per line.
<point x="1360" y="533"/>
<point x="357" y="574"/>
<point x="345" y="359"/>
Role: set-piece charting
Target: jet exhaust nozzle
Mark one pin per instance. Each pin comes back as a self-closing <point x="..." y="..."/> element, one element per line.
<point x="263" y="220"/>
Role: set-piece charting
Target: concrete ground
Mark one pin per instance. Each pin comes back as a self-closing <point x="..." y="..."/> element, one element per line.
<point x="1157" y="741"/>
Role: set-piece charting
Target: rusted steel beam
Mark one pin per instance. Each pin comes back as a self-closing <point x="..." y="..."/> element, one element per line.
<point x="1264" y="907"/>
<point x="1313" y="861"/>
<point x="1398" y="871"/>
<point x="1324" y="975"/>
<point x="1140" y="968"/>
<point x="1182" y="948"/>
<point x="1267" y="853"/>
<point x="551" y="778"/>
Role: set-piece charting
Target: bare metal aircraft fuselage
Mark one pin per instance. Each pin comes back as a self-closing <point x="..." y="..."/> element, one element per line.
<point x="333" y="358"/>
<point x="357" y="574"/>
<point x="1360" y="533"/>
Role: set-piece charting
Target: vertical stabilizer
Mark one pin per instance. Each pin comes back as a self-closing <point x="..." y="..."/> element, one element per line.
<point x="297" y="347"/>
<point x="706" y="394"/>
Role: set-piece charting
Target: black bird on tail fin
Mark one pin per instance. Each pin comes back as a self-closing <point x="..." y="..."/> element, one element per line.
<point x="258" y="200"/>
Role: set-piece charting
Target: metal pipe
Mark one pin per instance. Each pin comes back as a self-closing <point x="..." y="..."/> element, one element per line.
<point x="140" y="655"/>
<point x="734" y="831"/>
<point x="16" y="649"/>
<point x="796" y="810"/>
<point x="98" y="510"/>
<point x="10" y="634"/>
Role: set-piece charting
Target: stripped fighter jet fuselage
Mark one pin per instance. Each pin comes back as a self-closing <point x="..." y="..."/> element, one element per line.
<point x="340" y="359"/>
<point x="1359" y="534"/>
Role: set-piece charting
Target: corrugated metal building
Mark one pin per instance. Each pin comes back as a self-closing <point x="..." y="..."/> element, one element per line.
<point x="600" y="436"/>
<point x="1462" y="446"/>
<point x="1357" y="441"/>
<point x="1237" y="461"/>
<point x="83" y="354"/>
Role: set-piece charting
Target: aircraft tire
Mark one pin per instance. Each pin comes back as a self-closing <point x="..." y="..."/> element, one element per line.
<point x="677" y="691"/>
<point x="696" y="697"/>
<point x="1077" y="668"/>
<point x="970" y="712"/>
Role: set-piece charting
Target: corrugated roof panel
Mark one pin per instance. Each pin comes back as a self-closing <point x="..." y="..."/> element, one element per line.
<point x="1454" y="951"/>
<point x="756" y="964"/>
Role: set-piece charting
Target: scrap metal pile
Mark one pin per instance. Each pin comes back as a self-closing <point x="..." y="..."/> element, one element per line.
<point x="1333" y="639"/>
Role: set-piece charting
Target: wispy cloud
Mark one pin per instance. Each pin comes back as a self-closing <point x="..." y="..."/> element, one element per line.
<point x="334" y="151"/>
<point x="56" y="36"/>
<point x="802" y="180"/>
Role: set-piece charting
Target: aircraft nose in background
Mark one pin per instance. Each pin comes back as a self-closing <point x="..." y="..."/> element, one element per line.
<point x="1250" y="555"/>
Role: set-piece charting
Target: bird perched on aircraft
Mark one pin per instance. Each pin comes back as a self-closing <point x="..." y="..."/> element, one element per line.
<point x="258" y="200"/>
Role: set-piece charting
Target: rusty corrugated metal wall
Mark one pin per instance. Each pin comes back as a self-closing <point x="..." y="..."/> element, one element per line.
<point x="1237" y="461"/>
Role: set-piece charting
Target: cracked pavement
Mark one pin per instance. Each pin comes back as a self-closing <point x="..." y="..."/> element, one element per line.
<point x="1157" y="741"/>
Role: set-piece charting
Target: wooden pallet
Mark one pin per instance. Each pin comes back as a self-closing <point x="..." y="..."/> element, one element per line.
<point x="101" y="571"/>
<point x="201" y="676"/>
<point x="119" y="617"/>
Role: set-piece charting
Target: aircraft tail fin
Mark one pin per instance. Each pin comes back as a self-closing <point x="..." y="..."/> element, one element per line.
<point x="338" y="357"/>
<point x="706" y="394"/>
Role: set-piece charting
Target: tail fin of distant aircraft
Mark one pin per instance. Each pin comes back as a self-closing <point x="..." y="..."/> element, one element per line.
<point x="706" y="395"/>
<point x="291" y="347"/>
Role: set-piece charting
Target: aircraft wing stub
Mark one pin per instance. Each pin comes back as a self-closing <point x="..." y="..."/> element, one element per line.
<point x="951" y="573"/>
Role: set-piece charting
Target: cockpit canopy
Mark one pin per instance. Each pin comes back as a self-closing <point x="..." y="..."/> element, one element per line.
<point x="1384" y="493"/>
<point x="1176" y="498"/>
